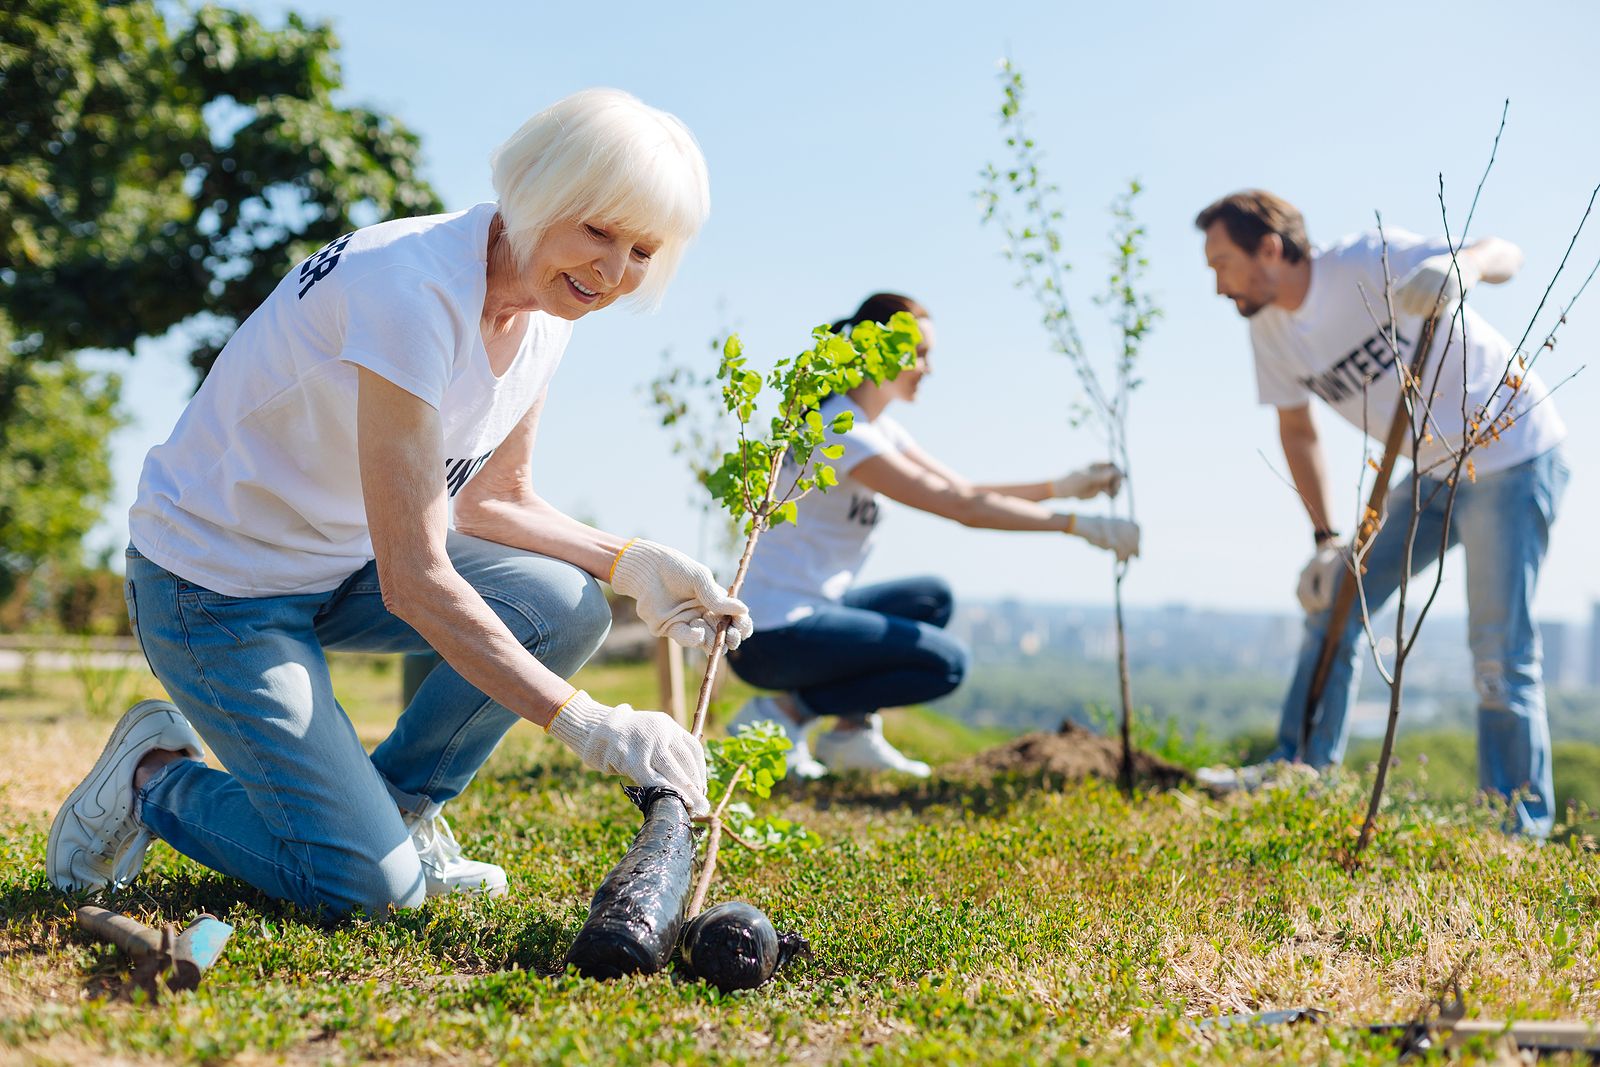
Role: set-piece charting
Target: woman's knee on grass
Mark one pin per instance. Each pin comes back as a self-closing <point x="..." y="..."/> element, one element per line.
<point x="343" y="883"/>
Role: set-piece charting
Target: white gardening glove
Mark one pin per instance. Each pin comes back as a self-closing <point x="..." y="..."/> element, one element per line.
<point x="1321" y="575"/>
<point x="1089" y="482"/>
<point x="1433" y="285"/>
<point x="646" y="747"/>
<point x="1115" y="535"/>
<point x="677" y="597"/>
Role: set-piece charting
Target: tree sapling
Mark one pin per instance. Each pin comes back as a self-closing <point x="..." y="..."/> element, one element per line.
<point x="1019" y="198"/>
<point x="639" y="909"/>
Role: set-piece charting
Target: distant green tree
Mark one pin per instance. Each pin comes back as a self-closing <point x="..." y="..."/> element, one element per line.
<point x="150" y="173"/>
<point x="153" y="172"/>
<point x="55" y="475"/>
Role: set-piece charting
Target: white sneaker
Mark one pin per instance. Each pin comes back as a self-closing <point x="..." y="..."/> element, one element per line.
<point x="866" y="750"/>
<point x="95" y="842"/>
<point x="445" y="869"/>
<point x="1224" y="780"/>
<point x="765" y="709"/>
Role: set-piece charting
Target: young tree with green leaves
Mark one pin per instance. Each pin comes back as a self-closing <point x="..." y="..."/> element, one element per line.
<point x="1017" y="196"/>
<point x="759" y="481"/>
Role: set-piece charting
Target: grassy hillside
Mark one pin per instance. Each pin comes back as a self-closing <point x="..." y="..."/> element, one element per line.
<point x="1004" y="924"/>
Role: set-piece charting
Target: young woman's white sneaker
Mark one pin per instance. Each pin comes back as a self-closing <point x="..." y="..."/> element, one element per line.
<point x="444" y="867"/>
<point x="765" y="709"/>
<point x="866" y="750"/>
<point x="95" y="841"/>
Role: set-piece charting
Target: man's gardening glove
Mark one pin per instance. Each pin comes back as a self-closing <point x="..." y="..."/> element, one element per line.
<point x="1089" y="482"/>
<point x="677" y="597"/>
<point x="646" y="747"/>
<point x="1114" y="535"/>
<point x="1321" y="576"/>
<point x="1433" y="285"/>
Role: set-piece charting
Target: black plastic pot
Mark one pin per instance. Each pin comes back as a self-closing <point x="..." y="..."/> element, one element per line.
<point x="638" y="910"/>
<point x="734" y="946"/>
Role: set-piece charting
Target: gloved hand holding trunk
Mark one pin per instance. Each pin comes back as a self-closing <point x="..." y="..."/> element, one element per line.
<point x="646" y="747"/>
<point x="677" y="597"/>
<point x="1088" y="482"/>
<point x="1119" y="536"/>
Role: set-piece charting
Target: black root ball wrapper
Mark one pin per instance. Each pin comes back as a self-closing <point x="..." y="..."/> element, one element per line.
<point x="733" y="946"/>
<point x="638" y="910"/>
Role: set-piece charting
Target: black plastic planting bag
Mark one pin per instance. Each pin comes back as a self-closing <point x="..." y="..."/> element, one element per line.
<point x="638" y="910"/>
<point x="733" y="946"/>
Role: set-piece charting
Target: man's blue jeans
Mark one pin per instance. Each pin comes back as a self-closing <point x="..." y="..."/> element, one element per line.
<point x="302" y="812"/>
<point x="882" y="646"/>
<point x="1502" y="521"/>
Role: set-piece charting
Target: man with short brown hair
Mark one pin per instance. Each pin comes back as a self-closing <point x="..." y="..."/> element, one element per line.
<point x="1316" y="327"/>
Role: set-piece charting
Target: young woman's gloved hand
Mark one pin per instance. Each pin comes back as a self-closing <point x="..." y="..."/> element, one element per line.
<point x="1119" y="536"/>
<point x="1088" y="482"/>
<point x="677" y="597"/>
<point x="646" y="747"/>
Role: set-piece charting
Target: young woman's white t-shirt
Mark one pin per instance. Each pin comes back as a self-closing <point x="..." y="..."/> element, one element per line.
<point x="258" y="490"/>
<point x="812" y="563"/>
<point x="1331" y="346"/>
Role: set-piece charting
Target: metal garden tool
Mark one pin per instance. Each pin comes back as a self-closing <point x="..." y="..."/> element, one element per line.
<point x="182" y="957"/>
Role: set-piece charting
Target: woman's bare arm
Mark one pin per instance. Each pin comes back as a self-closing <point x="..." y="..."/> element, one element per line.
<point x="499" y="504"/>
<point x="402" y="483"/>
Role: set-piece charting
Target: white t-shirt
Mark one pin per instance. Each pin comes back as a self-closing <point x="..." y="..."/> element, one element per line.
<point x="258" y="490"/>
<point x="801" y="566"/>
<point x="1331" y="346"/>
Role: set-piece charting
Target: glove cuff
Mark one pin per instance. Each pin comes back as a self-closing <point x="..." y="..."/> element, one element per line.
<point x="634" y="566"/>
<point x="576" y="721"/>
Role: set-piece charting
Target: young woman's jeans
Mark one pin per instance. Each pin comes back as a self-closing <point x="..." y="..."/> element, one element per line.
<point x="1502" y="521"/>
<point x="302" y="812"/>
<point x="882" y="646"/>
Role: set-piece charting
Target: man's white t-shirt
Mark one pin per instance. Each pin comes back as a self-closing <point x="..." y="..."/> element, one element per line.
<point x="1333" y="346"/>
<point x="811" y="563"/>
<point x="258" y="490"/>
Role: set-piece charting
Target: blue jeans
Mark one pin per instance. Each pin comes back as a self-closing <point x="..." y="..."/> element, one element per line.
<point x="1502" y="521"/>
<point x="302" y="812"/>
<point x="882" y="646"/>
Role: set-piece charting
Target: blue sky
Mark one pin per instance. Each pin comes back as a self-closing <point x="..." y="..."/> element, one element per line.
<point x="844" y="142"/>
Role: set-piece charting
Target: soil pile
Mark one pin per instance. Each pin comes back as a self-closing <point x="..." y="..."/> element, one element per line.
<point x="1070" y="754"/>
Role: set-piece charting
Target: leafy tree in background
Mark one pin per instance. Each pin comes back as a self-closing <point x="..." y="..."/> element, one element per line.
<point x="152" y="173"/>
<point x="54" y="473"/>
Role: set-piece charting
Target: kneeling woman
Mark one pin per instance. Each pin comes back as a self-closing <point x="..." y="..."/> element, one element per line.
<point x="830" y="648"/>
<point x="357" y="473"/>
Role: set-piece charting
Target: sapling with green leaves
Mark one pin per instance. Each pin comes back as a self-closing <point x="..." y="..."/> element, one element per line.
<point x="777" y="460"/>
<point x="1017" y="196"/>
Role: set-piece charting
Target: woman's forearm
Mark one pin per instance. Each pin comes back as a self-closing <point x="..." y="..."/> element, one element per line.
<point x="533" y="525"/>
<point x="985" y="510"/>
<point x="453" y="618"/>
<point x="1035" y="491"/>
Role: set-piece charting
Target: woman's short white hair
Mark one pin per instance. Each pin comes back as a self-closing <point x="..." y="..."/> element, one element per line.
<point x="602" y="154"/>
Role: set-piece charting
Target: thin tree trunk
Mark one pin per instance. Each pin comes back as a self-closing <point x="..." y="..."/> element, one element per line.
<point x="1125" y="773"/>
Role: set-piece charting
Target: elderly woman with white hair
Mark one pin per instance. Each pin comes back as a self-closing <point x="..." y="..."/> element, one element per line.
<point x="356" y="473"/>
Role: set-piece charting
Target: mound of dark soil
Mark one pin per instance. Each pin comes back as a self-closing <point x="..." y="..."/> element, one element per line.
<point x="1070" y="754"/>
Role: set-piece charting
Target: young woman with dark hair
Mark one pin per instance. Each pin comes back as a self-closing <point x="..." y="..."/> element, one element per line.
<point x="828" y="647"/>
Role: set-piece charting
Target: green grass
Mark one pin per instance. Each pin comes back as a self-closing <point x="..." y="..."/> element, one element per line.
<point x="951" y="922"/>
